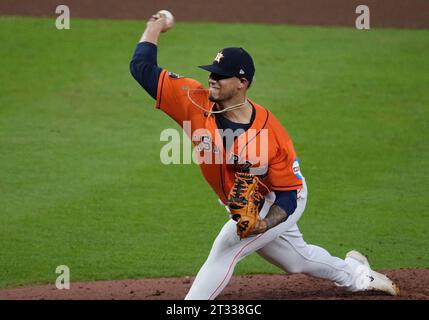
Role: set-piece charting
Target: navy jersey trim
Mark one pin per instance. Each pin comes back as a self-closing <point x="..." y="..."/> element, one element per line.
<point x="160" y="92"/>
<point x="295" y="185"/>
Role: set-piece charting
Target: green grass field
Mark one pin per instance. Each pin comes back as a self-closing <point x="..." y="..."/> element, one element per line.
<point x="81" y="182"/>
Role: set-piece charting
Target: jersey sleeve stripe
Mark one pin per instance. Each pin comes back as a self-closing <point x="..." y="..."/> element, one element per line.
<point x="158" y="106"/>
<point x="285" y="187"/>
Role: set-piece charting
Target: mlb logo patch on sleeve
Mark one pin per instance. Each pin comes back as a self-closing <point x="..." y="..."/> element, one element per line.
<point x="296" y="169"/>
<point x="173" y="75"/>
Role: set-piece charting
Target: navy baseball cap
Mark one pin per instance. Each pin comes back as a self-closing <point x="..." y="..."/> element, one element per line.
<point x="232" y="62"/>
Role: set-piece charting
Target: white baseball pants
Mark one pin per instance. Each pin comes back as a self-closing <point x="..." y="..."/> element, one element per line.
<point x="282" y="245"/>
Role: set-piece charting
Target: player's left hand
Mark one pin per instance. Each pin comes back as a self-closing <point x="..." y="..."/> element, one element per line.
<point x="259" y="227"/>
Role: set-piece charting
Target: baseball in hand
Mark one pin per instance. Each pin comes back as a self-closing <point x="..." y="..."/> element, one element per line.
<point x="169" y="19"/>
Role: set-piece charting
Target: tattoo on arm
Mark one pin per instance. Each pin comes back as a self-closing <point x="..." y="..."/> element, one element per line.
<point x="275" y="216"/>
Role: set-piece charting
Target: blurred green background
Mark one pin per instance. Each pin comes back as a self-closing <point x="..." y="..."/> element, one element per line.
<point x="81" y="182"/>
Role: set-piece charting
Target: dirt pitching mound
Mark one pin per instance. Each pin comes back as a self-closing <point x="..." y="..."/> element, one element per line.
<point x="414" y="284"/>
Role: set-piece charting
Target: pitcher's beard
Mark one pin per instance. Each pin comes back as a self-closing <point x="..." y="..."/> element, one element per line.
<point x="214" y="96"/>
<point x="219" y="99"/>
<point x="212" y="99"/>
<point x="216" y="103"/>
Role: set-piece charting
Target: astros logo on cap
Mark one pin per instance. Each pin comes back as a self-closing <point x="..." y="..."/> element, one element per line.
<point x="218" y="57"/>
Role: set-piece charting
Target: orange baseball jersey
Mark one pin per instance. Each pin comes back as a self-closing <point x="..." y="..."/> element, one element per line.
<point x="265" y="145"/>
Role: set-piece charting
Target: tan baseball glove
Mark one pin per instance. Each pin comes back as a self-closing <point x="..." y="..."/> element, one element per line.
<point x="244" y="200"/>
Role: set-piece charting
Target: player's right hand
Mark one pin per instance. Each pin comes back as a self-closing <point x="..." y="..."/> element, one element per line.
<point x="157" y="22"/>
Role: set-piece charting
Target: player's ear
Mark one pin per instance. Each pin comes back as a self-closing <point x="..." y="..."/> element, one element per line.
<point x="244" y="83"/>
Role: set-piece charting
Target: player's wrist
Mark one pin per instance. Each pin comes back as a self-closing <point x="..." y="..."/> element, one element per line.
<point x="263" y="226"/>
<point x="155" y="27"/>
<point x="151" y="34"/>
<point x="275" y="216"/>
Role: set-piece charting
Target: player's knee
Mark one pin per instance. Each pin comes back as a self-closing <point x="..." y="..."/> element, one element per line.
<point x="295" y="269"/>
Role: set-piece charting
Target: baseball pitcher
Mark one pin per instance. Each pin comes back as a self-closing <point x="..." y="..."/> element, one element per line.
<point x="251" y="164"/>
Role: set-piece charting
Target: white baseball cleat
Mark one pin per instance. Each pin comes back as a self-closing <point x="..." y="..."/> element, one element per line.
<point x="378" y="281"/>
